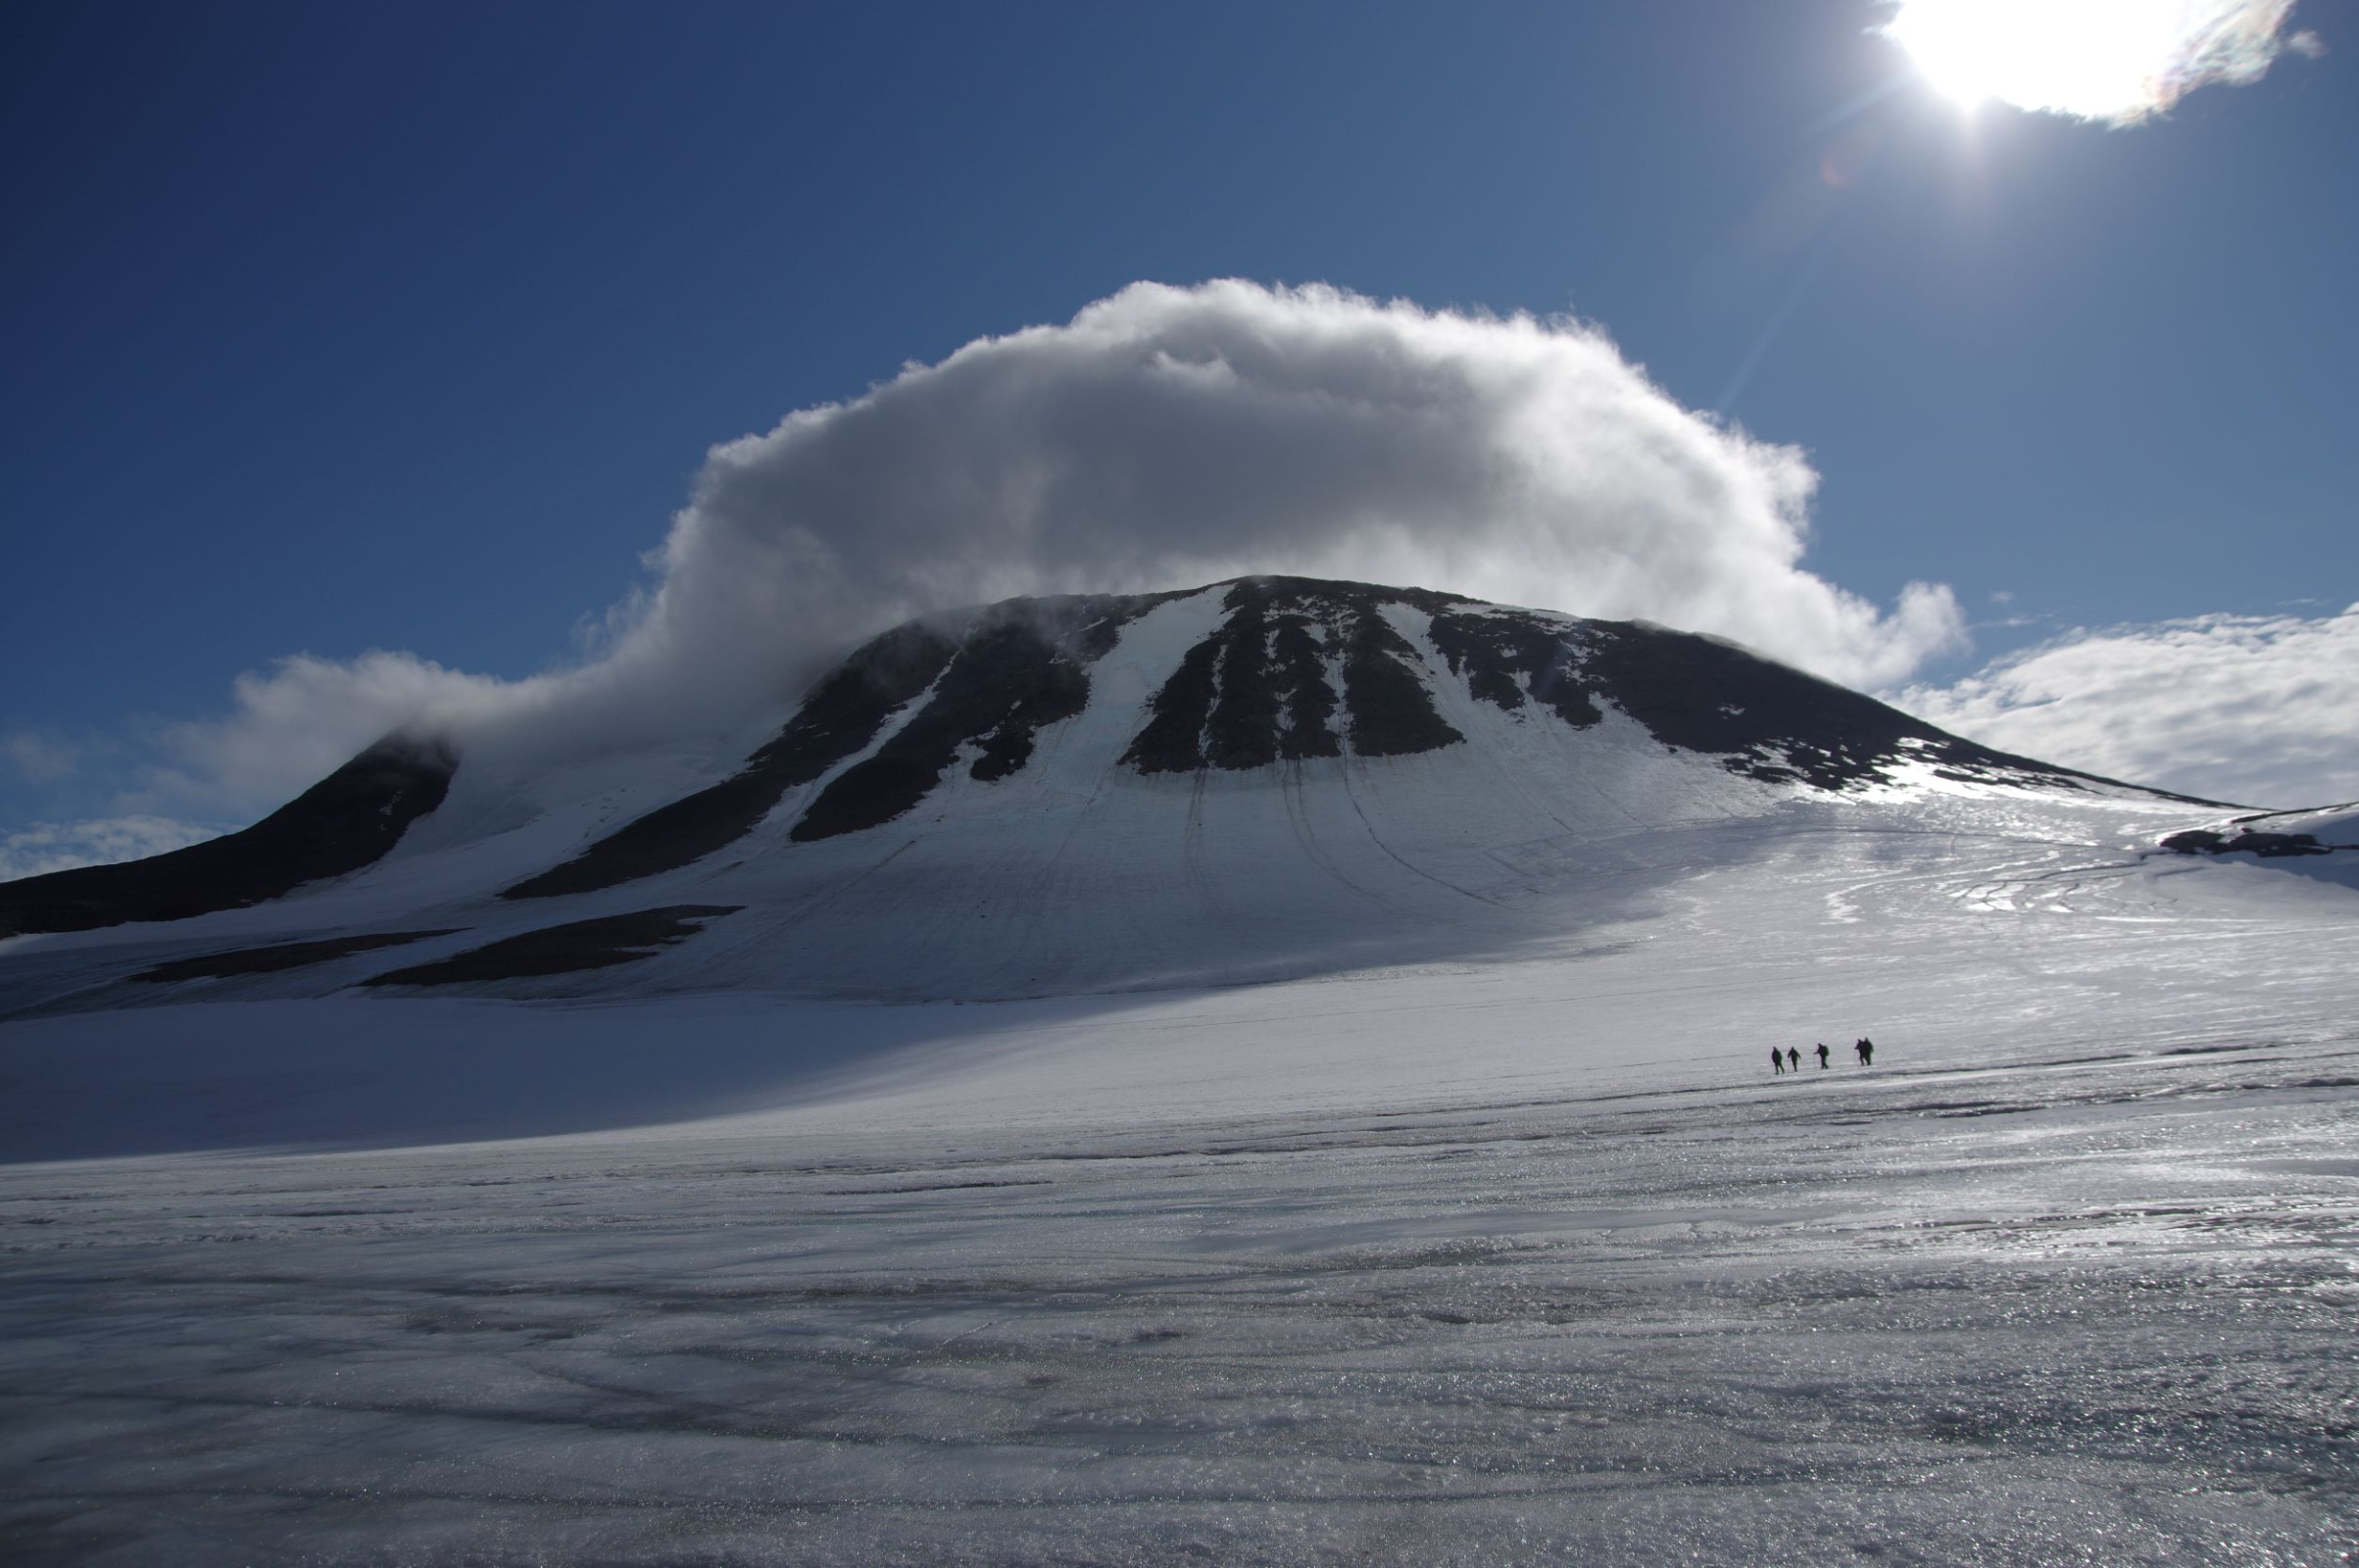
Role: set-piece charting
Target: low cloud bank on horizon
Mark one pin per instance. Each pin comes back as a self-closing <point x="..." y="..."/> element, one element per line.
<point x="2257" y="710"/>
<point x="1165" y="436"/>
<point x="39" y="847"/>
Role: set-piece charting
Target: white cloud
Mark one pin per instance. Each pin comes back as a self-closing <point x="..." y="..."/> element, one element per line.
<point x="1165" y="436"/>
<point x="38" y="758"/>
<point x="45" y="846"/>
<point x="306" y="717"/>
<point x="2257" y="710"/>
<point x="1169" y="435"/>
<point x="2118" y="61"/>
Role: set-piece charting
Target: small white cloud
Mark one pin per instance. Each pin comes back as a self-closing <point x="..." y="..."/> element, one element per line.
<point x="2257" y="710"/>
<point x="46" y="847"/>
<point x="38" y="758"/>
<point x="2002" y="596"/>
<point x="2118" y="61"/>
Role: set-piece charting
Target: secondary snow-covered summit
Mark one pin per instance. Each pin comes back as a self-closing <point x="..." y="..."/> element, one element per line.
<point x="1266" y="777"/>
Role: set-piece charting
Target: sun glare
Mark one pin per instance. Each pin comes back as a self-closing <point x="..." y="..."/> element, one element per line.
<point x="2116" y="60"/>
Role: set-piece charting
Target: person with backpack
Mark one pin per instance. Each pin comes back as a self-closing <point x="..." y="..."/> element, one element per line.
<point x="1822" y="1055"/>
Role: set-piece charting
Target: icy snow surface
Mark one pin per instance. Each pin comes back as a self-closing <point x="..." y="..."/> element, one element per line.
<point x="1508" y="1250"/>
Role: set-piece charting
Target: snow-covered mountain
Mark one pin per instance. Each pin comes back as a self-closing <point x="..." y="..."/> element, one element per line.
<point x="852" y="1141"/>
<point x="1264" y="779"/>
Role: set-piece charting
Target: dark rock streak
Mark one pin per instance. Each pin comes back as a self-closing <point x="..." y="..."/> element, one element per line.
<point x="1259" y="691"/>
<point x="841" y="716"/>
<point x="567" y="949"/>
<point x="279" y="955"/>
<point x="1020" y="667"/>
<point x="2246" y="841"/>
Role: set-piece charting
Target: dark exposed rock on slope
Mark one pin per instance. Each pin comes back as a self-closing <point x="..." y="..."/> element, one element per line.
<point x="2268" y="846"/>
<point x="1263" y="688"/>
<point x="2275" y="835"/>
<point x="1258" y="690"/>
<point x="841" y="716"/>
<point x="278" y="957"/>
<point x="347" y="820"/>
<point x="1020" y="667"/>
<point x="1699" y="693"/>
<point x="567" y="949"/>
<point x="1295" y="670"/>
<point x="992" y="678"/>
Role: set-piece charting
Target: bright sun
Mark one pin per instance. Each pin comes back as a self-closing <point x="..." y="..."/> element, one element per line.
<point x="2116" y="60"/>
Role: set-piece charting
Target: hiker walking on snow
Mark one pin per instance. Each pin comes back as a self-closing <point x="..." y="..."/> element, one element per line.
<point x="1794" y="1059"/>
<point x="1822" y="1055"/>
<point x="1867" y="1052"/>
<point x="1776" y="1061"/>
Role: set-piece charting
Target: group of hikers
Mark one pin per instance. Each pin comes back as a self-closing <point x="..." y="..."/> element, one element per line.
<point x="1790" y="1060"/>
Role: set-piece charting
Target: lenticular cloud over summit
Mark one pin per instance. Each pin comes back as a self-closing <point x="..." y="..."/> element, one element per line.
<point x="1169" y="435"/>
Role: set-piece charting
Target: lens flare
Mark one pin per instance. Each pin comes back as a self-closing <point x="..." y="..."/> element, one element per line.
<point x="2111" y="60"/>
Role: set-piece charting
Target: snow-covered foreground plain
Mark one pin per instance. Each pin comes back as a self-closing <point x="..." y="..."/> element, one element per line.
<point x="1515" y="1253"/>
<point x="2092" y="1306"/>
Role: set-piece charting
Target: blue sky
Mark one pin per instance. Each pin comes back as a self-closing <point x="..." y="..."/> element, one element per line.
<point x="340" y="328"/>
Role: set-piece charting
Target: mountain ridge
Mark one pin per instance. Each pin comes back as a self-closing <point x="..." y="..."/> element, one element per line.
<point x="347" y="822"/>
<point x="1264" y="776"/>
<point x="1259" y="692"/>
